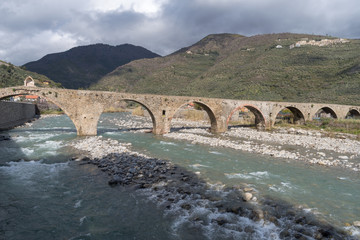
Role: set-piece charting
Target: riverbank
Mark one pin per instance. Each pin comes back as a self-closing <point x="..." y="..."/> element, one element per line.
<point x="59" y="198"/>
<point x="332" y="126"/>
<point x="302" y="145"/>
<point x="38" y="117"/>
<point x="208" y="210"/>
<point x="309" y="146"/>
<point x="14" y="114"/>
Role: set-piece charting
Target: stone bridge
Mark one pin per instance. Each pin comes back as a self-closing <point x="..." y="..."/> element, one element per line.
<point x="85" y="107"/>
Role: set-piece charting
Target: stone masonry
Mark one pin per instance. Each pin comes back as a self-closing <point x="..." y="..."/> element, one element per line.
<point x="85" y="107"/>
<point x="14" y="114"/>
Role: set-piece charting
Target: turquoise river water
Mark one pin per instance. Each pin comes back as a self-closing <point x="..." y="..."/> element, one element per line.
<point x="45" y="195"/>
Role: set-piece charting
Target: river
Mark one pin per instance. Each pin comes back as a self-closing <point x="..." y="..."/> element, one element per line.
<point x="45" y="195"/>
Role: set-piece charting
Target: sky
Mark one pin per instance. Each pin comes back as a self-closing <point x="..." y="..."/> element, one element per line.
<point x="30" y="29"/>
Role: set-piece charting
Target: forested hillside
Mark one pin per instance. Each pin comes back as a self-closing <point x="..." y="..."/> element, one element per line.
<point x="82" y="66"/>
<point x="263" y="67"/>
<point x="11" y="75"/>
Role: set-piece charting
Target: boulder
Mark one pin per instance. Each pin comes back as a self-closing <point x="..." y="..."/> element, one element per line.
<point x="247" y="189"/>
<point x="247" y="196"/>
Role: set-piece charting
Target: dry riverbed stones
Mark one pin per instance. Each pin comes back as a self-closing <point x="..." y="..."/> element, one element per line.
<point x="178" y="191"/>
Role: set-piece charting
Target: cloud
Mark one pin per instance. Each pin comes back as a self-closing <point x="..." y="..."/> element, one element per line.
<point x="31" y="29"/>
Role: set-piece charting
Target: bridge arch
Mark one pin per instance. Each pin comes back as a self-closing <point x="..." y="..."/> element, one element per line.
<point x="298" y="116"/>
<point x="44" y="96"/>
<point x="205" y="107"/>
<point x="325" y="112"/>
<point x="260" y="121"/>
<point x="353" y="113"/>
<point x="144" y="105"/>
<point x="47" y="98"/>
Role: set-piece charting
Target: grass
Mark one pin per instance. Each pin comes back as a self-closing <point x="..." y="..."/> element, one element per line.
<point x="138" y="111"/>
<point x="351" y="126"/>
<point x="241" y="122"/>
<point x="195" y="115"/>
<point x="114" y="110"/>
<point x="51" y="111"/>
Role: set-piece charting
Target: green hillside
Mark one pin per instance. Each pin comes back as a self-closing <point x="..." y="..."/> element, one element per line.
<point x="11" y="76"/>
<point x="238" y="67"/>
<point x="81" y="66"/>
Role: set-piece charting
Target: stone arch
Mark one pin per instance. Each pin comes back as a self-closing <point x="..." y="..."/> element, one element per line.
<point x="204" y="106"/>
<point x="260" y="121"/>
<point x="150" y="111"/>
<point x="353" y="113"/>
<point x="29" y="82"/>
<point x="327" y="111"/>
<point x="46" y="97"/>
<point x="299" y="117"/>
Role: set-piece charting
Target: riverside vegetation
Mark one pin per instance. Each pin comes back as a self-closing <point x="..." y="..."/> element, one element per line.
<point x="351" y="126"/>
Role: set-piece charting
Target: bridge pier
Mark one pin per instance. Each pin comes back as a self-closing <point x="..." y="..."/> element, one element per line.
<point x="220" y="125"/>
<point x="85" y="127"/>
<point x="85" y="118"/>
<point x="85" y="107"/>
<point x="86" y="124"/>
<point x="162" y="125"/>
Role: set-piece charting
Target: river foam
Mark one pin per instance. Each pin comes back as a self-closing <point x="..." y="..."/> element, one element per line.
<point x="208" y="211"/>
<point x="28" y="171"/>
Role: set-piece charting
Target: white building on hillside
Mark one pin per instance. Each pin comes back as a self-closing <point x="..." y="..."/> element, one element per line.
<point x="29" y="82"/>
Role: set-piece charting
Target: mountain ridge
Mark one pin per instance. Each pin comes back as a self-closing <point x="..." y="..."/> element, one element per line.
<point x="262" y="67"/>
<point x="81" y="66"/>
<point x="11" y="75"/>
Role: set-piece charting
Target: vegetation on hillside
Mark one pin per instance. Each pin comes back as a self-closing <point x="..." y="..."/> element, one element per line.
<point x="11" y="76"/>
<point x="253" y="68"/>
<point x="81" y="66"/>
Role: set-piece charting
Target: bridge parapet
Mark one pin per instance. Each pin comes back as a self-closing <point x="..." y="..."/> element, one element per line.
<point x="85" y="107"/>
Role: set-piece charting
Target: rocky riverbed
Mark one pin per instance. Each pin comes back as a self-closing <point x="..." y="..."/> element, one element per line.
<point x="210" y="210"/>
<point x="310" y="146"/>
<point x="313" y="149"/>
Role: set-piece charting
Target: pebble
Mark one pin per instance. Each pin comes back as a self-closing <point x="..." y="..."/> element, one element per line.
<point x="321" y="154"/>
<point x="272" y="143"/>
<point x="173" y="187"/>
<point x="247" y="196"/>
<point x="246" y="189"/>
<point x="264" y="142"/>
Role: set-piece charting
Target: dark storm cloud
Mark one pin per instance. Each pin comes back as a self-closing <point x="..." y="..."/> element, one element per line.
<point x="30" y="29"/>
<point x="258" y="17"/>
